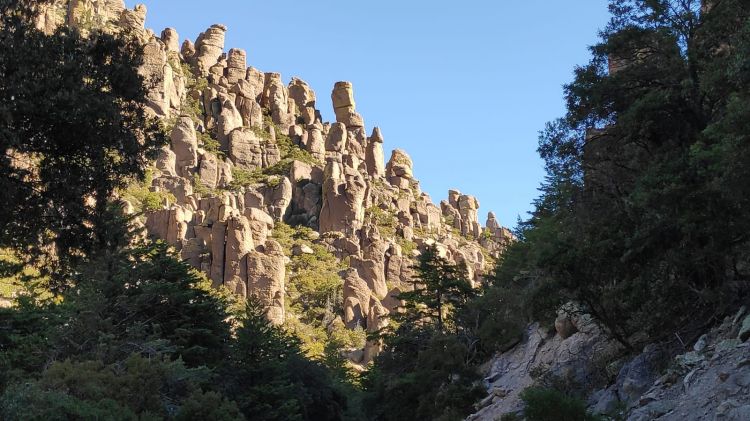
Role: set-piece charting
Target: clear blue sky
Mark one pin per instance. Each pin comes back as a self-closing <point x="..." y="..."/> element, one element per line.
<point x="463" y="86"/>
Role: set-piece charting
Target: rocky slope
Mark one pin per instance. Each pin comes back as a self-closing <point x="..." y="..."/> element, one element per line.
<point x="250" y="154"/>
<point x="708" y="380"/>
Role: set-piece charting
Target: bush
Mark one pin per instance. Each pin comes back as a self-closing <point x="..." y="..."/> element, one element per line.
<point x="496" y="318"/>
<point x="552" y="405"/>
<point x="139" y="195"/>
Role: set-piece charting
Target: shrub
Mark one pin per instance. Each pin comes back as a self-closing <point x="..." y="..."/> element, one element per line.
<point x="139" y="195"/>
<point x="552" y="405"/>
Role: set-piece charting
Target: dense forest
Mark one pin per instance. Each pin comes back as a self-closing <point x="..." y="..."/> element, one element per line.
<point x="642" y="221"/>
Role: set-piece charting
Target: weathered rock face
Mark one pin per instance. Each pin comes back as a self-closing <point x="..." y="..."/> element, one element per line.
<point x="343" y="200"/>
<point x="236" y="65"/>
<point x="276" y="100"/>
<point x="171" y="40"/>
<point x="266" y="272"/>
<point x="229" y="119"/>
<point x="304" y="100"/>
<point x="710" y="381"/>
<point x="208" y="48"/>
<point x="314" y="141"/>
<point x="185" y="146"/>
<point x="239" y="242"/>
<point x="166" y="162"/>
<point x="356" y="299"/>
<point x="374" y="155"/>
<point x="51" y="16"/>
<point x="165" y="93"/>
<point x="336" y="140"/>
<point x="400" y="169"/>
<point x="467" y="208"/>
<point x="372" y="273"/>
<point x="344" y="105"/>
<point x="133" y="21"/>
<point x="510" y="372"/>
<point x="246" y="149"/>
<point x="87" y="14"/>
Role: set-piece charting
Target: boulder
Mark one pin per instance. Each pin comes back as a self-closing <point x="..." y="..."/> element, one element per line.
<point x="336" y="139"/>
<point x="315" y="144"/>
<point x="187" y="50"/>
<point x="344" y="106"/>
<point x="399" y="170"/>
<point x="208" y="170"/>
<point x="467" y="208"/>
<point x="276" y="100"/>
<point x="165" y="162"/>
<point x="236" y="69"/>
<point x="246" y="148"/>
<point x="301" y="93"/>
<point x="171" y="40"/>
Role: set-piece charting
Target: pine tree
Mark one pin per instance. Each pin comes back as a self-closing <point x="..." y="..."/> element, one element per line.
<point x="439" y="287"/>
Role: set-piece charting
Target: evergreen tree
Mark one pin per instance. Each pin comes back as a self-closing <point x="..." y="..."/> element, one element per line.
<point x="270" y="379"/>
<point x="73" y="129"/>
<point x="426" y="369"/>
<point x="439" y="287"/>
<point x="644" y="213"/>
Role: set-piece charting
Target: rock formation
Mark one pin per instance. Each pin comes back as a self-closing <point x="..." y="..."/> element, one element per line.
<point x="249" y="152"/>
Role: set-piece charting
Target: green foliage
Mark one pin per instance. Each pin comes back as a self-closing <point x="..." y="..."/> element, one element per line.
<point x="244" y="178"/>
<point x="142" y="335"/>
<point x="384" y="220"/>
<point x="551" y="405"/>
<point x="202" y="189"/>
<point x="314" y="289"/>
<point x="135" y="389"/>
<point x="270" y="379"/>
<point x="422" y="374"/>
<point x="496" y="318"/>
<point x="19" y="278"/>
<point x="75" y="130"/>
<point x="426" y="369"/>
<point x="210" y="144"/>
<point x="291" y="152"/>
<point x="439" y="289"/>
<point x="314" y="284"/>
<point x="647" y="182"/>
<point x="143" y="199"/>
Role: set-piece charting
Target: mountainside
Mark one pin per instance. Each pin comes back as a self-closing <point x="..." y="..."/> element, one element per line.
<point x="255" y="184"/>
<point x="185" y="237"/>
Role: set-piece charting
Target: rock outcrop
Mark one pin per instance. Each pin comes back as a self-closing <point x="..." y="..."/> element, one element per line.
<point x="249" y="152"/>
<point x="710" y="380"/>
